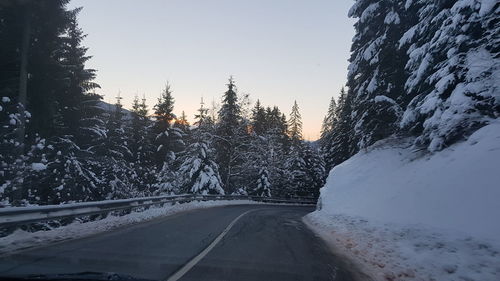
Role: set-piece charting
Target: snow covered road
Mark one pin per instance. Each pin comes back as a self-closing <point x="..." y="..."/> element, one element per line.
<point x="242" y="242"/>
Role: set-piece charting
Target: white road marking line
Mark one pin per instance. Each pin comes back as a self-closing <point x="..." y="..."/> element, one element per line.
<point x="181" y="272"/>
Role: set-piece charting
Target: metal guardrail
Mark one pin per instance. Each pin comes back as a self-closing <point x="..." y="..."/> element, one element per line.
<point x="27" y="215"/>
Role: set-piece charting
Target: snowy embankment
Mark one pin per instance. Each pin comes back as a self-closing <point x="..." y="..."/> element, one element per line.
<point x="404" y="215"/>
<point x="21" y="239"/>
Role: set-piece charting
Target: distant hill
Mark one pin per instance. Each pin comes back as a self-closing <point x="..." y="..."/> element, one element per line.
<point x="127" y="114"/>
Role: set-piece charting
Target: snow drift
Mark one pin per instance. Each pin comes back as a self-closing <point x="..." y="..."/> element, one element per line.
<point x="389" y="206"/>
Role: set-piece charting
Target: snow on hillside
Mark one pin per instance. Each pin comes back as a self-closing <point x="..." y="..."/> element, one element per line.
<point x="401" y="214"/>
<point x="110" y="108"/>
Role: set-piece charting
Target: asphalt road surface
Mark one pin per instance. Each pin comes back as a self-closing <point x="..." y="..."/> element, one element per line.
<point x="247" y="242"/>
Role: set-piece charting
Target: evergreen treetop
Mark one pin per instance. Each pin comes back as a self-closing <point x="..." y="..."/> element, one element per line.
<point x="163" y="110"/>
<point x="259" y="120"/>
<point x="295" y="124"/>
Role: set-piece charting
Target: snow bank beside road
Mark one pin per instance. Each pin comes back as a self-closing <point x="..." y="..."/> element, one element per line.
<point x="406" y="216"/>
<point x="22" y="239"/>
<point x="457" y="188"/>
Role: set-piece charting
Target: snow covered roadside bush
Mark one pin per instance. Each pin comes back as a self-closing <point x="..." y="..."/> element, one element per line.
<point x="22" y="239"/>
<point x="403" y="215"/>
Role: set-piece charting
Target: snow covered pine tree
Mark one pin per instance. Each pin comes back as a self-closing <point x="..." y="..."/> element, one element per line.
<point x="454" y="70"/>
<point x="168" y="141"/>
<point x="230" y="134"/>
<point x="199" y="171"/>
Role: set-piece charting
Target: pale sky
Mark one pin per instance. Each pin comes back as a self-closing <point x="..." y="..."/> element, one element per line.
<point x="277" y="50"/>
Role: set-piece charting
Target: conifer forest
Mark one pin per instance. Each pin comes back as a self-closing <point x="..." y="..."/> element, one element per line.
<point x="433" y="76"/>
<point x="61" y="143"/>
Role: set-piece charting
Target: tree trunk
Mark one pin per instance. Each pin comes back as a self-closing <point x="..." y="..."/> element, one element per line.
<point x="23" y="78"/>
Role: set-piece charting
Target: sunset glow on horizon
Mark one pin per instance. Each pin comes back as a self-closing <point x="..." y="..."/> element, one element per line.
<point x="278" y="51"/>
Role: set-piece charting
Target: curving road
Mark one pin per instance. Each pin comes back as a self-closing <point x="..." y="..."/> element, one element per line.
<point x="245" y="242"/>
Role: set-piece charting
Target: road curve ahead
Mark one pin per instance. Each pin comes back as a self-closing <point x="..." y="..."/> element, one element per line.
<point x="245" y="242"/>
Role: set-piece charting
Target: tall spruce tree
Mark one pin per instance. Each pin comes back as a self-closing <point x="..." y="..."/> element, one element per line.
<point x="295" y="124"/>
<point x="78" y="124"/>
<point x="295" y="163"/>
<point x="315" y="171"/>
<point x="139" y="125"/>
<point x="296" y="175"/>
<point x="116" y="143"/>
<point x="142" y="147"/>
<point x="329" y="121"/>
<point x="336" y="146"/>
<point x="168" y="141"/>
<point x="78" y="95"/>
<point x="70" y="120"/>
<point x="30" y="32"/>
<point x="114" y="156"/>
<point x="199" y="172"/>
<point x="230" y="139"/>
<point x="327" y="128"/>
<point x="376" y="71"/>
